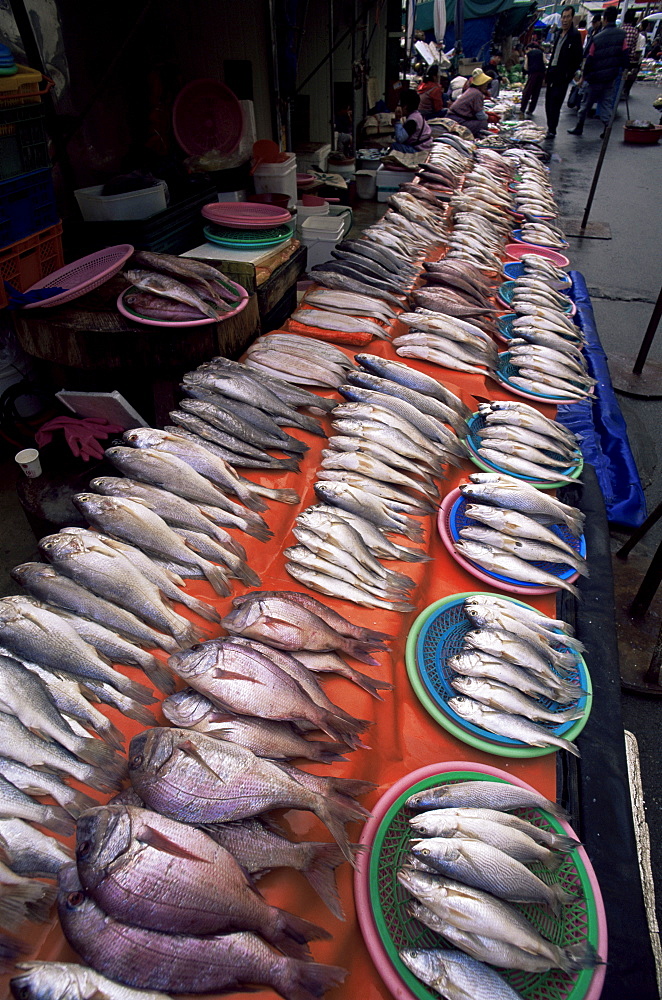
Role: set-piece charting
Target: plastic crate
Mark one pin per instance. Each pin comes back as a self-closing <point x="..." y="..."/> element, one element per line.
<point x="27" y="205"/>
<point x="27" y="261"/>
<point x="23" y="140"/>
<point x="21" y="88"/>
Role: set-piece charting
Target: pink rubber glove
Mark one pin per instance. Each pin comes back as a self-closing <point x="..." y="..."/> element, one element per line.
<point x="80" y="434"/>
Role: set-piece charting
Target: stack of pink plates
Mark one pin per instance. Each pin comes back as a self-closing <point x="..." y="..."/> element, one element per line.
<point x="245" y="215"/>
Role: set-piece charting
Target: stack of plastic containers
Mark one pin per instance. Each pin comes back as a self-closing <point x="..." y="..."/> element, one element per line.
<point x="30" y="230"/>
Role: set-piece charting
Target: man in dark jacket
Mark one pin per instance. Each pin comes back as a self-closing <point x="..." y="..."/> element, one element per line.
<point x="607" y="57"/>
<point x="534" y="66"/>
<point x="565" y="59"/>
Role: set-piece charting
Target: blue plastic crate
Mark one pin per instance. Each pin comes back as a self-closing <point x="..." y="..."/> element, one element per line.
<point x="27" y="205"/>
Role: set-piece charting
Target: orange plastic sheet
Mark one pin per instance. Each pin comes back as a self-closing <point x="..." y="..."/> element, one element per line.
<point x="403" y="736"/>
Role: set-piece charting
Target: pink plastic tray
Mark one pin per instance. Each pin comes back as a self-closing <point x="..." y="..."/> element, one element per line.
<point x="246" y="215"/>
<point x="480" y="574"/>
<point x="362" y="877"/>
<point x="135" y="318"/>
<point x="515" y="251"/>
<point x="82" y="275"/>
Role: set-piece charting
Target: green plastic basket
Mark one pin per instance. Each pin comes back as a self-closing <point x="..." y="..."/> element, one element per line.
<point x="486" y="741"/>
<point x="577" y="923"/>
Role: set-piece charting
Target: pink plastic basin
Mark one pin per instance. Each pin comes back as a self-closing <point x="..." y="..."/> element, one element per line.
<point x="515" y="251"/>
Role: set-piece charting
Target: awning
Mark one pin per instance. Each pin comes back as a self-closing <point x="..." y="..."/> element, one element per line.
<point x="472" y="9"/>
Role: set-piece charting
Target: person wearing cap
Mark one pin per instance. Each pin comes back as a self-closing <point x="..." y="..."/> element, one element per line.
<point x="468" y="110"/>
<point x="565" y="59"/>
<point x="412" y="132"/>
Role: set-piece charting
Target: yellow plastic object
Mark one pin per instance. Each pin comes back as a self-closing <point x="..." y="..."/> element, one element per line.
<point x="21" y="88"/>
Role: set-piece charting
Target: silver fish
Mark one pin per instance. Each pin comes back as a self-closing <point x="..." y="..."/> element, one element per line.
<point x="66" y="981"/>
<point x="511" y="566"/>
<point x="506" y="699"/>
<point x="168" y="288"/>
<point x="29" y="851"/>
<point x="322" y="583"/>
<point x="511" y="522"/>
<point x="455" y="975"/>
<point x="39" y="783"/>
<point x="525" y="548"/>
<point x="499" y="795"/>
<point x="375" y="540"/>
<point x="479" y="665"/>
<point x="515" y="727"/>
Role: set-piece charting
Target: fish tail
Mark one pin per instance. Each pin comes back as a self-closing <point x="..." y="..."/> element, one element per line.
<point x="29" y="900"/>
<point x="399" y="580"/>
<point x="79" y="802"/>
<point x="350" y="787"/>
<point x="187" y="634"/>
<point x="553" y="862"/>
<point x="570" y="588"/>
<point x="324" y="753"/>
<point x="321" y="874"/>
<point x="293" y="932"/>
<point x="343" y="728"/>
<point x="560" y="897"/>
<point x="249" y="498"/>
<point x="166" y="642"/>
<point x="258" y="529"/>
<point x="559" y="842"/>
<point x="134" y="690"/>
<point x="111" y="735"/>
<point x="58" y="820"/>
<point x="570" y="714"/>
<point x="99" y="754"/>
<point x="103" y="781"/>
<point x="407" y="554"/>
<point x="216" y="576"/>
<point x="282" y="496"/>
<point x="307" y="980"/>
<point x="248" y="576"/>
<point x="371" y="684"/>
<point x="567" y="745"/>
<point x="159" y="674"/>
<point x="201" y="608"/>
<point x="334" y="813"/>
<point x="10" y="950"/>
<point x="578" y="956"/>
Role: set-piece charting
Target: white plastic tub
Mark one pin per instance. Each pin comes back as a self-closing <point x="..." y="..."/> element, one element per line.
<point x="278" y="178"/>
<point x="366" y="184"/>
<point x="97" y="207"/>
<point x="320" y="233"/>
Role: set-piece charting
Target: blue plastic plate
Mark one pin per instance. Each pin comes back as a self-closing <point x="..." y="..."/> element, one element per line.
<point x="458" y="519"/>
<point x="505" y="371"/>
<point x="506" y="291"/>
<point x="473" y="441"/>
<point x="441" y="637"/>
<point x="517" y="236"/>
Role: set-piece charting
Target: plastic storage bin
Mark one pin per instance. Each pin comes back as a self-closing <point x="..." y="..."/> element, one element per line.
<point x="320" y="233"/>
<point x="29" y="260"/>
<point x="366" y="186"/>
<point x="23" y="140"/>
<point x="389" y="181"/>
<point x="278" y="178"/>
<point x="97" y="207"/>
<point x="312" y="154"/>
<point x="27" y="206"/>
<point x="21" y="88"/>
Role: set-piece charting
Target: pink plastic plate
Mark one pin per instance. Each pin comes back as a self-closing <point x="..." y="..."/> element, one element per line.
<point x="515" y="251"/>
<point x="481" y="574"/>
<point x="207" y="115"/>
<point x="362" y="894"/>
<point x="137" y="318"/>
<point x="82" y="275"/>
<point x="246" y="215"/>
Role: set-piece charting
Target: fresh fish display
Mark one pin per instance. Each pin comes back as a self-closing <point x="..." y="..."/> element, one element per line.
<point x="374" y="539"/>
<point x="507" y="699"/>
<point x="30" y="852"/>
<point x="524" y="548"/>
<point x="194" y="271"/>
<point x="109" y="574"/>
<point x="512" y="523"/>
<point x="513" y="494"/>
<point x="60" y="980"/>
<point x="179" y="963"/>
<point x="46" y="584"/>
<point x="38" y="636"/>
<point x="238" y="453"/>
<point x="39" y="783"/>
<point x="540" y="232"/>
<point x="168" y="288"/>
<point x="16" y="804"/>
<point x="500" y="795"/>
<point x="380" y="512"/>
<point x="499" y="561"/>
<point x="243" y="679"/>
<point x="514" y="726"/>
<point x="328" y="320"/>
<point x="453" y="974"/>
<point x="196" y="779"/>
<point x="122" y="849"/>
<point x="188" y="709"/>
<point x="334" y="664"/>
<point x="237" y="433"/>
<point x="350" y="303"/>
<point x="330" y="617"/>
<point x="23" y="899"/>
<point x="259" y="849"/>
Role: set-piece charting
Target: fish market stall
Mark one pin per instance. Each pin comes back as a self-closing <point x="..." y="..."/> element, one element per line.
<point x="385" y="594"/>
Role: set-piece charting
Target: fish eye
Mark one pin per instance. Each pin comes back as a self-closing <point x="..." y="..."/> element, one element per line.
<point x="22" y="992"/>
<point x="75" y="898"/>
<point x="83" y="849"/>
<point x="136" y="761"/>
<point x="425" y="852"/>
<point x="198" y="646"/>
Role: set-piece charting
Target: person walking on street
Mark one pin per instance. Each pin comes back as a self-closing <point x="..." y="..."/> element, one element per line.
<point x="534" y="66"/>
<point x="608" y="56"/>
<point x="596" y="26"/>
<point x="632" y="37"/>
<point x="564" y="61"/>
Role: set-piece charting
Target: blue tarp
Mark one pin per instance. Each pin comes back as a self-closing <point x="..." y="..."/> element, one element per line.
<point x="602" y="427"/>
<point x="476" y="37"/>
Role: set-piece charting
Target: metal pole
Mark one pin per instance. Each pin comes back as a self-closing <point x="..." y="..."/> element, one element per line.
<point x="354" y="101"/>
<point x="331" y="72"/>
<point x="603" y="150"/>
<point x="648" y="336"/>
<point x="276" y="118"/>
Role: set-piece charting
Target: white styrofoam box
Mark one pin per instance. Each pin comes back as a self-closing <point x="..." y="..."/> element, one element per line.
<point x="314" y="158"/>
<point x="365" y="184"/>
<point x="319" y="251"/>
<point x="231" y="196"/>
<point x="327" y="227"/>
<point x="278" y="178"/>
<point x="97" y="207"/>
<point x="345" y="213"/>
<point x="393" y="178"/>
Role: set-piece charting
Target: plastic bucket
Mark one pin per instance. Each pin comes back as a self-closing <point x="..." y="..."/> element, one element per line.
<point x="279" y="178"/>
<point x="366" y="184"/>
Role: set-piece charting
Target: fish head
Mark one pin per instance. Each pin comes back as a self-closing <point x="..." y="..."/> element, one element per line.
<point x="477" y="615"/>
<point x="242" y="617"/>
<point x="466" y="708"/>
<point x="102" y="835"/>
<point x="43" y="981"/>
<point x="60" y="546"/>
<point x="149" y="752"/>
<point x="87" y="503"/>
<point x="328" y="490"/>
<point x="428" y="849"/>
<point x="104" y="484"/>
<point x="424" y="964"/>
<point x="143" y="437"/>
<point x="199" y="659"/>
<point x="186" y="708"/>
<point x="29" y="571"/>
<point x="466" y="685"/>
<point x="72" y="897"/>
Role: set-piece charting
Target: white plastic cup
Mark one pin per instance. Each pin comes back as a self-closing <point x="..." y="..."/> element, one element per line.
<point x="28" y="459"/>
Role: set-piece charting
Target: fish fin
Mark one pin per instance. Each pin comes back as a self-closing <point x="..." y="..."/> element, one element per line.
<point x="564" y="844"/>
<point x="580" y="956"/>
<point x="560" y="897"/>
<point x="166" y="845"/>
<point x="247" y="575"/>
<point x="320" y="872"/>
<point x="324" y="753"/>
<point x="334" y="813"/>
<point x="99" y="754"/>
<point x="216" y="577"/>
<point x="59" y="821"/>
<point x="159" y="674"/>
<point x="218" y="673"/>
<point x="553" y="862"/>
<point x="308" y="980"/>
<point x="293" y="932"/>
<point x="189" y="748"/>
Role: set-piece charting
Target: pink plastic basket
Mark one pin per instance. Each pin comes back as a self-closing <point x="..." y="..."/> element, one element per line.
<point x="136" y="318"/>
<point x="515" y="251"/>
<point x="362" y="894"/>
<point x="207" y="115"/>
<point x="82" y="275"/>
<point x="246" y="215"/>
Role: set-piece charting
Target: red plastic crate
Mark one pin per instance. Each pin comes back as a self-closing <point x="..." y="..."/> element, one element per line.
<point x="31" y="259"/>
<point x="642" y="136"/>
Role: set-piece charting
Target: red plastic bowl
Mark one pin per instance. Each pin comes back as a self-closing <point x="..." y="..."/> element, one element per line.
<point x="207" y="115"/>
<point x="270" y="198"/>
<point x="515" y="251"/>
